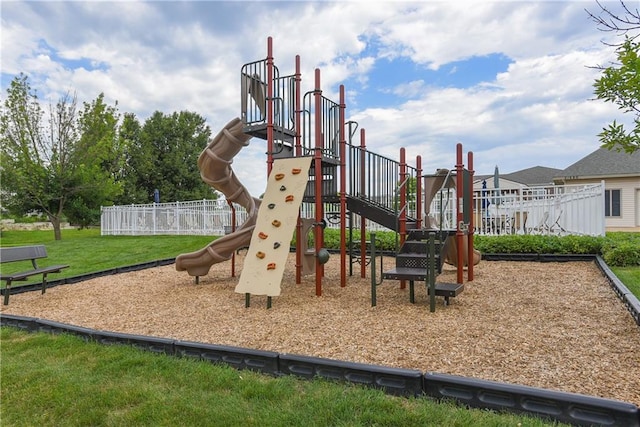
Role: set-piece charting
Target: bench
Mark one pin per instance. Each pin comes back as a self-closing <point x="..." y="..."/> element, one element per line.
<point x="26" y="253"/>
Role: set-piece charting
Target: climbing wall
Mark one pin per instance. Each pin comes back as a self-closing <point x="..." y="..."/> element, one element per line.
<point x="277" y="217"/>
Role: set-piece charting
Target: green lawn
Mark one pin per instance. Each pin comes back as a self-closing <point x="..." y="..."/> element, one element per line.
<point x="630" y="276"/>
<point x="86" y="251"/>
<point x="60" y="380"/>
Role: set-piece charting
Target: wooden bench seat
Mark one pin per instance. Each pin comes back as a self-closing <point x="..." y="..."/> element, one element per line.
<point x="26" y="253"/>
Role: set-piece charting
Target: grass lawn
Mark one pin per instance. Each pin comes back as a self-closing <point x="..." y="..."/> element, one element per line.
<point x="53" y="380"/>
<point x="630" y="276"/>
<point x="86" y="251"/>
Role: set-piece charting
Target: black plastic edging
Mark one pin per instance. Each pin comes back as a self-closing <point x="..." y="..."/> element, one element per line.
<point x="88" y="276"/>
<point x="239" y="358"/>
<point x="539" y="257"/>
<point x="564" y="407"/>
<point x="142" y="342"/>
<point x="573" y="408"/>
<point x="396" y="381"/>
<point x="629" y="299"/>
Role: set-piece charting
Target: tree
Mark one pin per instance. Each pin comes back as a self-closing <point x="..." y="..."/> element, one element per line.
<point x="619" y="83"/>
<point x="163" y="155"/>
<point x="129" y="140"/>
<point x="46" y="163"/>
<point x="98" y="162"/>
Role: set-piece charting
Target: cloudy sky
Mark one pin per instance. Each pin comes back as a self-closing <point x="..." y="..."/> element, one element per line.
<point x="510" y="80"/>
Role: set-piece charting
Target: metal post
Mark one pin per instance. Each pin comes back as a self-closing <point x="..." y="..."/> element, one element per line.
<point x="318" y="180"/>
<point x="419" y="191"/>
<point x="363" y="224"/>
<point x="431" y="276"/>
<point x="459" y="213"/>
<point x="233" y="228"/>
<point x="298" y="153"/>
<point x="403" y="203"/>
<point x="470" y="232"/>
<point x="343" y="192"/>
<point x="269" y="105"/>
<point x="373" y="269"/>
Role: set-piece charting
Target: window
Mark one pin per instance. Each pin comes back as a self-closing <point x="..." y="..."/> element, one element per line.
<point x="611" y="202"/>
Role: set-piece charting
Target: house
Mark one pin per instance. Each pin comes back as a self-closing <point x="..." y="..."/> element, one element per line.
<point x="512" y="182"/>
<point x="620" y="172"/>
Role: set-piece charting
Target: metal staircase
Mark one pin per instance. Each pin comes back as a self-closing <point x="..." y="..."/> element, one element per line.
<point x="377" y="213"/>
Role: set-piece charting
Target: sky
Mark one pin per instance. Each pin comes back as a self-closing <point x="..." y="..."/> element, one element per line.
<point x="510" y="80"/>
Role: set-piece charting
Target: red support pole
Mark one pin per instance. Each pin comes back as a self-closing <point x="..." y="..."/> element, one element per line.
<point x="269" y="105"/>
<point x="343" y="193"/>
<point x="233" y="228"/>
<point x="403" y="203"/>
<point x="419" y="191"/>
<point x="318" y="181"/>
<point x="459" y="213"/>
<point x="298" y="108"/>
<point x="471" y="217"/>
<point x="298" y="152"/>
<point x="363" y="189"/>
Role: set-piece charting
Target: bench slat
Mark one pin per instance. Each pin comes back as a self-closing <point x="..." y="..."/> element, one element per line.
<point x="22" y="253"/>
<point x="25" y="274"/>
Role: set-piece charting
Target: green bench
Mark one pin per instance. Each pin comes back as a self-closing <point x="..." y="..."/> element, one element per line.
<point x="26" y="253"/>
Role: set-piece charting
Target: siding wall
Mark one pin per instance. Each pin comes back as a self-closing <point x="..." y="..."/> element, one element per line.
<point x="629" y="204"/>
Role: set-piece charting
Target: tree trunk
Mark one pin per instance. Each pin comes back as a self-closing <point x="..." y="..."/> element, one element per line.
<point x="55" y="222"/>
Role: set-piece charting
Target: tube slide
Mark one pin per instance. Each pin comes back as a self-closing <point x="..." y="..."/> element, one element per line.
<point x="215" y="169"/>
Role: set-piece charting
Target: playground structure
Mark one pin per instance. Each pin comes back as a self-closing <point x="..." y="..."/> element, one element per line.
<point x="341" y="178"/>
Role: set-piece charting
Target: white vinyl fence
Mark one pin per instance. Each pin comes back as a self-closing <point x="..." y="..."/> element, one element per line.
<point x="551" y="210"/>
<point x="199" y="217"/>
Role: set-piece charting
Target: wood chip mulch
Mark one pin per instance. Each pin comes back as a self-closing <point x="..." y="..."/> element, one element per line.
<point x="552" y="325"/>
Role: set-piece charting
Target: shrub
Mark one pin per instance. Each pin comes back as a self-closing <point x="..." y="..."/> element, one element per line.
<point x="626" y="254"/>
<point x="618" y="249"/>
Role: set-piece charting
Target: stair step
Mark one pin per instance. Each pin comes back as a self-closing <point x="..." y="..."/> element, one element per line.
<point x="415" y="246"/>
<point x="406" y="273"/>
<point x="448" y="289"/>
<point x="418" y="247"/>
<point x="413" y="260"/>
<point x="424" y="233"/>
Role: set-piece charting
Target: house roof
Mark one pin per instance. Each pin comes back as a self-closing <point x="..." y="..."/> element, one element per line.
<point x="604" y="163"/>
<point x="536" y="175"/>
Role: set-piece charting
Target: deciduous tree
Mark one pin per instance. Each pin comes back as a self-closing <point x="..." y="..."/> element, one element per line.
<point x="163" y="154"/>
<point x="51" y="159"/>
<point x="619" y="83"/>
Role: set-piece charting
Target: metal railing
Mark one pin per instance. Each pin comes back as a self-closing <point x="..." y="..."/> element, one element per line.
<point x="376" y="179"/>
<point x="329" y="126"/>
<point x="253" y="102"/>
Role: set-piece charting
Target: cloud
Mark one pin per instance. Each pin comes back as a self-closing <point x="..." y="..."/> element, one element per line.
<point x="173" y="56"/>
